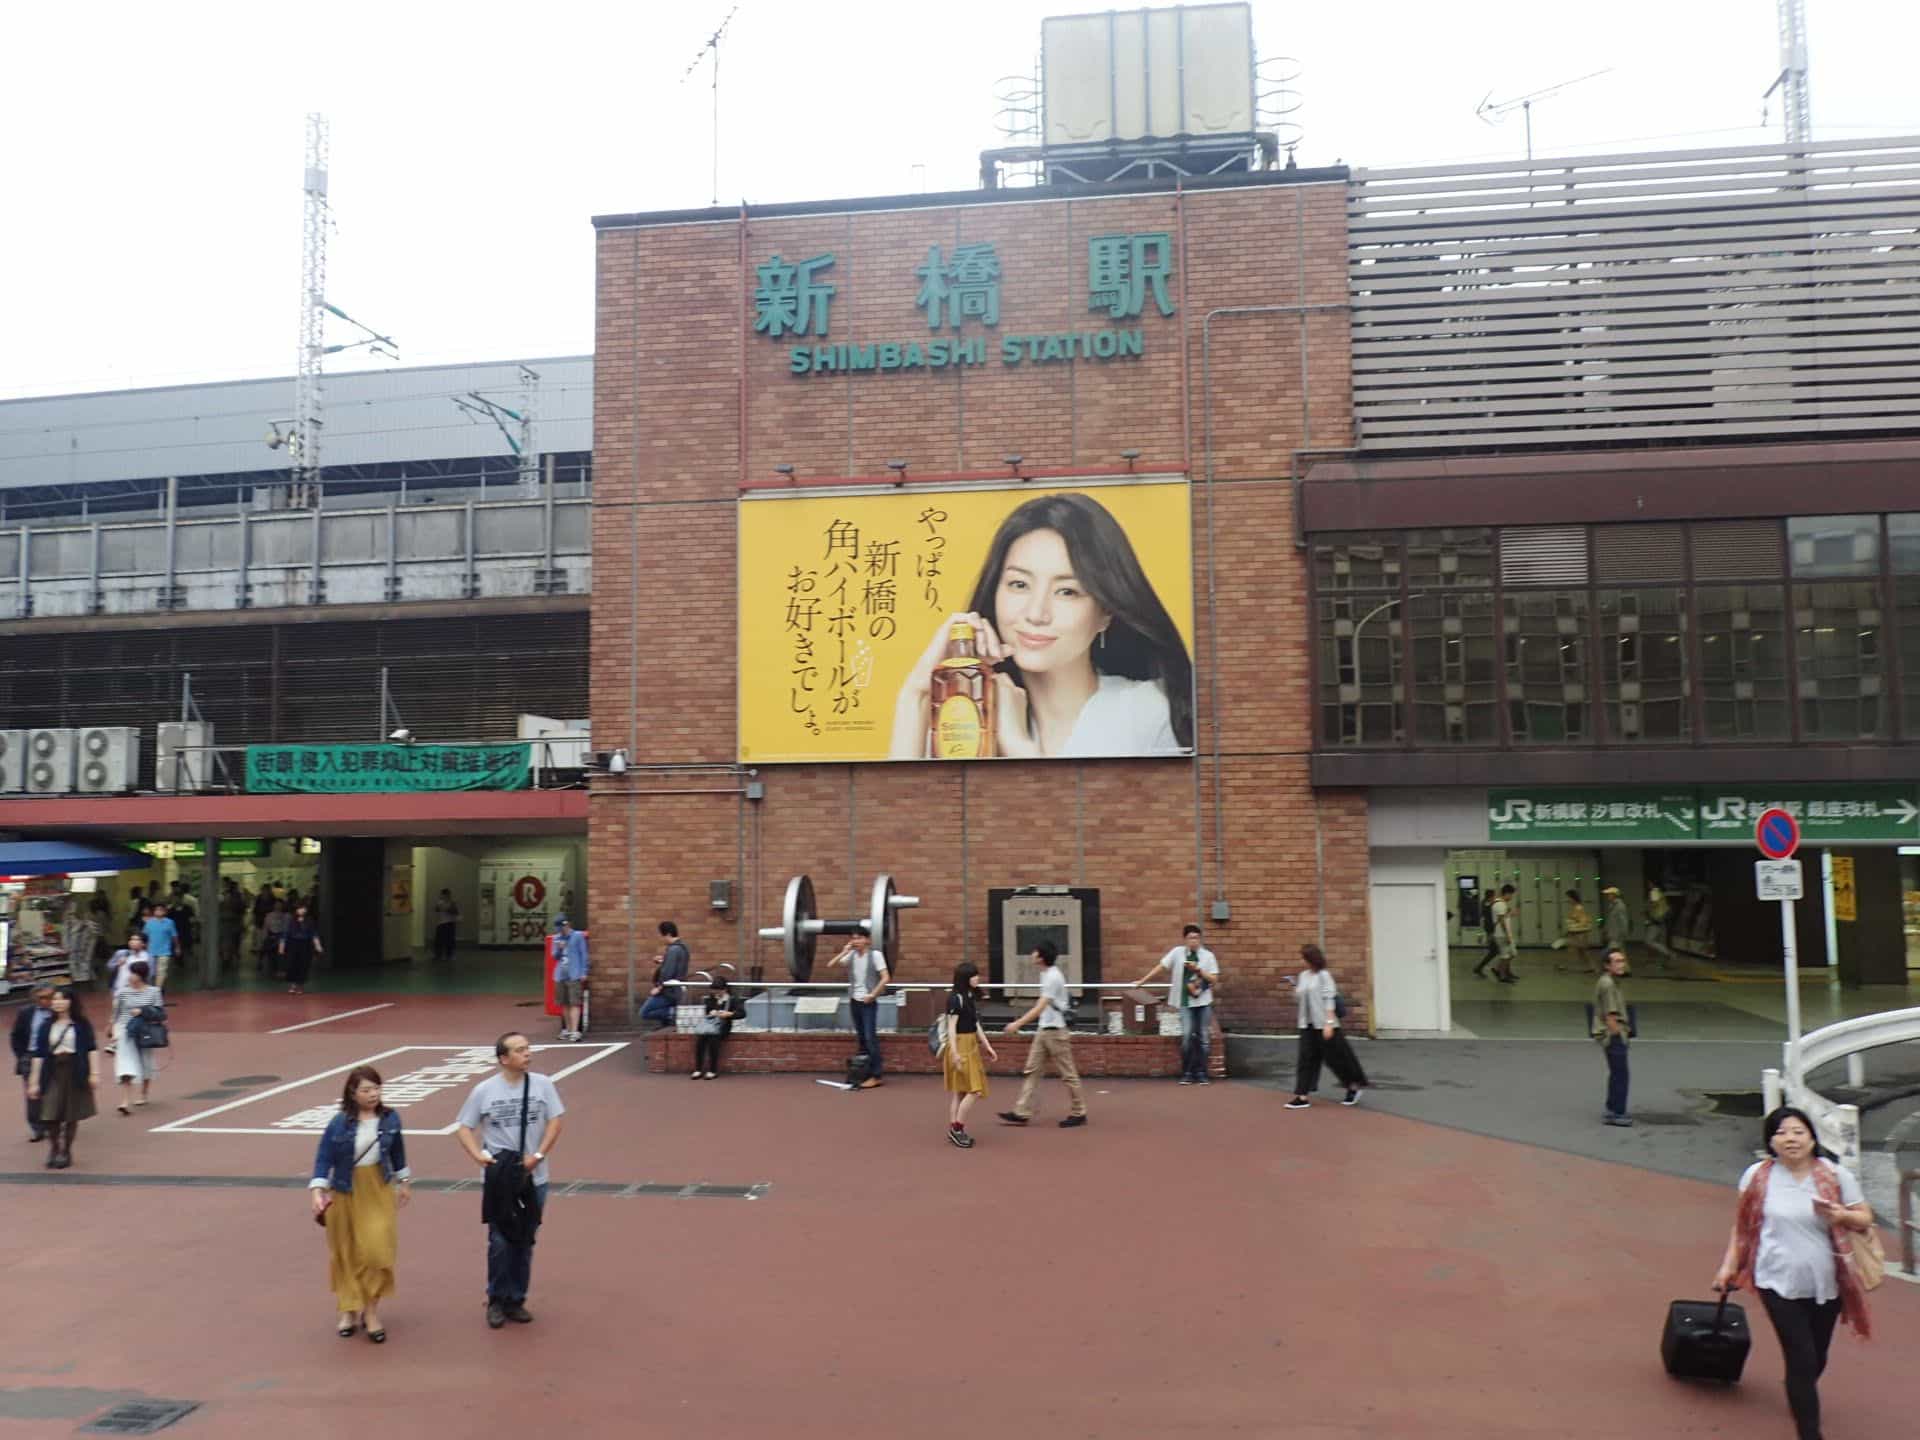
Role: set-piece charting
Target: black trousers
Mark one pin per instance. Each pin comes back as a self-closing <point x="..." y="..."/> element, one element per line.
<point x="1335" y="1054"/>
<point x="443" y="941"/>
<point x="706" y="1052"/>
<point x="1805" y="1328"/>
<point x="34" y="1127"/>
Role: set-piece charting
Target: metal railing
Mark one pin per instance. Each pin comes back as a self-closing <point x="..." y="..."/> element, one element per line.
<point x="245" y="560"/>
<point x="1838" y="1124"/>
<point x="756" y="990"/>
<point x="1909" y="1183"/>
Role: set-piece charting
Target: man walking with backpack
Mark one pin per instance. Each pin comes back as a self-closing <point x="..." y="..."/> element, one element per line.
<point x="1052" y="1043"/>
<point x="509" y="1126"/>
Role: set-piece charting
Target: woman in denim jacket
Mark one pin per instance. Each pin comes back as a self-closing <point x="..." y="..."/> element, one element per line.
<point x="360" y="1180"/>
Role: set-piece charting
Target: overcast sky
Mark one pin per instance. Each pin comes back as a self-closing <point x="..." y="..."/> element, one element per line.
<point x="150" y="175"/>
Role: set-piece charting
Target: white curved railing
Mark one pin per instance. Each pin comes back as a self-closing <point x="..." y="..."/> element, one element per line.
<point x="1839" y="1125"/>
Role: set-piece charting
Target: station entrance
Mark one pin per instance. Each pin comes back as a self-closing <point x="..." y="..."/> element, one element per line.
<point x="415" y="914"/>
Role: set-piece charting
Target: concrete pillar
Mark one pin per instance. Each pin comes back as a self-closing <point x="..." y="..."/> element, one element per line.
<point x="209" y="916"/>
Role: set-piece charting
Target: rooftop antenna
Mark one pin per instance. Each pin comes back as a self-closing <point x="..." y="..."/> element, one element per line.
<point x="713" y="47"/>
<point x="1493" y="112"/>
<point x="1795" y="106"/>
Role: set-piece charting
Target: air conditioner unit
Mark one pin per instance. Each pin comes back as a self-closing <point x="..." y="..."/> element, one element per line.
<point x="109" y="759"/>
<point x="49" y="762"/>
<point x="13" y="761"/>
<point x="178" y="764"/>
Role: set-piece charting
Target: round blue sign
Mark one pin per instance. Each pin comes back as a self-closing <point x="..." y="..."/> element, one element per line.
<point x="1777" y="834"/>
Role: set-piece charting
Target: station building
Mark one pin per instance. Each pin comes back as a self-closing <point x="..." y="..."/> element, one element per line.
<point x="1545" y="523"/>
<point x="169" y="610"/>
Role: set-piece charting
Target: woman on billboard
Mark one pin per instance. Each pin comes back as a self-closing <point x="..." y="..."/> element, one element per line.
<point x="1084" y="659"/>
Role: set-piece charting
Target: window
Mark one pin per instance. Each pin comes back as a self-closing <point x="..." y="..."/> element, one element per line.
<point x="1455" y="700"/>
<point x="1906" y="607"/>
<point x="1743" y="666"/>
<point x="1450" y="559"/>
<point x="1834" y="545"/>
<point x="1643" y="664"/>
<point x="1358" y="562"/>
<point x="1546" y="658"/>
<point x="1837" y="653"/>
<point x="1362" y="695"/>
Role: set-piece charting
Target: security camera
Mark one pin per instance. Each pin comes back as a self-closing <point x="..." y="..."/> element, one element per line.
<point x="617" y="763"/>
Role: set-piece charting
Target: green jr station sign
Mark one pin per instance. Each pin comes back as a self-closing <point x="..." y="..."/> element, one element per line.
<point x="793" y="302"/>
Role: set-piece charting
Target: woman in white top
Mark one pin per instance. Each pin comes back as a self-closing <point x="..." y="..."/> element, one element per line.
<point x="1088" y="660"/>
<point x="1320" y="1037"/>
<point x="130" y="1061"/>
<point x="1796" y="1212"/>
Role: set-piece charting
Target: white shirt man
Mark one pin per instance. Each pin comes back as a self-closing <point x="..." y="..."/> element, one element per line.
<point x="1051" y="1042"/>
<point x="1192" y="972"/>
<point x="866" y="978"/>
<point x="489" y="1126"/>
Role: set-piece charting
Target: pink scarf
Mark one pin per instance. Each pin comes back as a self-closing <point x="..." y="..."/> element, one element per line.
<point x="1753" y="1205"/>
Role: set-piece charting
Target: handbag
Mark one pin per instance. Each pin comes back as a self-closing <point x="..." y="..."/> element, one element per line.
<point x="1867" y="1258"/>
<point x="147" y="1028"/>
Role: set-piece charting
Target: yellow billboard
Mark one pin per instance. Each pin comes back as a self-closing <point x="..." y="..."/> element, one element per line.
<point x="1017" y="621"/>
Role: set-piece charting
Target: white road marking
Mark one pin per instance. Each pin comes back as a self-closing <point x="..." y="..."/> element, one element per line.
<point x="189" y="1125"/>
<point x="329" y="1019"/>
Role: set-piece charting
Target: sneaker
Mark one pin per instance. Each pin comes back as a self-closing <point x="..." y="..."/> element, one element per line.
<point x="1203" y="1080"/>
<point x="1296" y="1103"/>
<point x="965" y="1142"/>
<point x="696" y="1075"/>
<point x="957" y="1138"/>
<point x="1186" y="1080"/>
<point x="713" y="1074"/>
<point x="1073" y="1121"/>
<point x="1007" y="1117"/>
<point x="496" y="1315"/>
<point x="518" y="1313"/>
<point x="1353" y="1097"/>
<point x="1625" y="1121"/>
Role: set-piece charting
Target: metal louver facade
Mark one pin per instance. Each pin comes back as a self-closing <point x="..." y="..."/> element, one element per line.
<point x="1678" y="296"/>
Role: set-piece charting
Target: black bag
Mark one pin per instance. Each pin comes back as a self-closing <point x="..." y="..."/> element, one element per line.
<point x="509" y="1202"/>
<point x="859" y="1070"/>
<point x="147" y="1028"/>
<point x="1705" y="1340"/>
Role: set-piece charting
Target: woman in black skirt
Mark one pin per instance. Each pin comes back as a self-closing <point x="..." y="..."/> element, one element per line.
<point x="66" y="1071"/>
<point x="298" y="947"/>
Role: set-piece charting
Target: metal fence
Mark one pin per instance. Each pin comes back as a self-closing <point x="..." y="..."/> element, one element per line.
<point x="243" y="560"/>
<point x="1703" y="294"/>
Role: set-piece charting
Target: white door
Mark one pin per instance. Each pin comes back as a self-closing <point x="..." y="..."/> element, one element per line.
<point x="1409" y="980"/>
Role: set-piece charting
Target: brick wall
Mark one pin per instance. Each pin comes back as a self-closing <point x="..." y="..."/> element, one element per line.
<point x="688" y="402"/>
<point x="825" y="1052"/>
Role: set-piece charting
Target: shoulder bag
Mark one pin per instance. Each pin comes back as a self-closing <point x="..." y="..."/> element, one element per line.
<point x="147" y="1028"/>
<point x="321" y="1218"/>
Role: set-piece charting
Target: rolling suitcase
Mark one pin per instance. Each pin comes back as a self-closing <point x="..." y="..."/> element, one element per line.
<point x="1705" y="1340"/>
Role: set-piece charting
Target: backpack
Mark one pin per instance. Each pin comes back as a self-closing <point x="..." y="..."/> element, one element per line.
<point x="938" y="1035"/>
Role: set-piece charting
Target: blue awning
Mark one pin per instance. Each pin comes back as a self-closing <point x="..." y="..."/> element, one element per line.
<point x="64" y="857"/>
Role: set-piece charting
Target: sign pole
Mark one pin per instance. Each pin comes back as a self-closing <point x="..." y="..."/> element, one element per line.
<point x="1793" y="974"/>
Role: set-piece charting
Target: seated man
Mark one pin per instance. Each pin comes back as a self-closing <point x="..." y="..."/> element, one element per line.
<point x="674" y="961"/>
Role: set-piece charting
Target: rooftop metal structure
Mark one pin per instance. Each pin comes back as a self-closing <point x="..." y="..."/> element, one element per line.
<point x="114" y="450"/>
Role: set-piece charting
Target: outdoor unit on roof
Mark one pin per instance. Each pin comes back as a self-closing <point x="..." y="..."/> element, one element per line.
<point x="178" y="764"/>
<point x="109" y="759"/>
<point x="13" y="761"/>
<point x="49" y="762"/>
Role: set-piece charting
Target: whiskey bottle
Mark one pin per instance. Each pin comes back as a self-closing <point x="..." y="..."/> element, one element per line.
<point x="960" y="709"/>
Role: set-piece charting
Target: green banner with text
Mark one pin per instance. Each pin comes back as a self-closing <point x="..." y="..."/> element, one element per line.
<point x="372" y="769"/>
<point x="1644" y="815"/>
<point x="1598" y="816"/>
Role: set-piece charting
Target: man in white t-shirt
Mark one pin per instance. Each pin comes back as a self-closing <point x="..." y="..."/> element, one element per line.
<point x="490" y="1129"/>
<point x="1194" y="972"/>
<point x="1051" y="1042"/>
<point x="866" y="978"/>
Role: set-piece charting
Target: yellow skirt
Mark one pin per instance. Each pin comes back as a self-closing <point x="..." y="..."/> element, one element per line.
<point x="362" y="1240"/>
<point x="966" y="1073"/>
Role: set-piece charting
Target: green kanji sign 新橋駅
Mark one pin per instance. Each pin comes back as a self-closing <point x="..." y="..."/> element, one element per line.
<point x="1825" y="812"/>
<point x="960" y="287"/>
<point x="1599" y="816"/>
<point x="375" y="769"/>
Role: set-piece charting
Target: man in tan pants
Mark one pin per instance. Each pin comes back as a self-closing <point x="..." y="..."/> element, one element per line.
<point x="1051" y="1042"/>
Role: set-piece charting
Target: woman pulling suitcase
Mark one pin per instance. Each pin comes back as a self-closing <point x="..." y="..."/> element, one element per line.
<point x="1791" y="1242"/>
